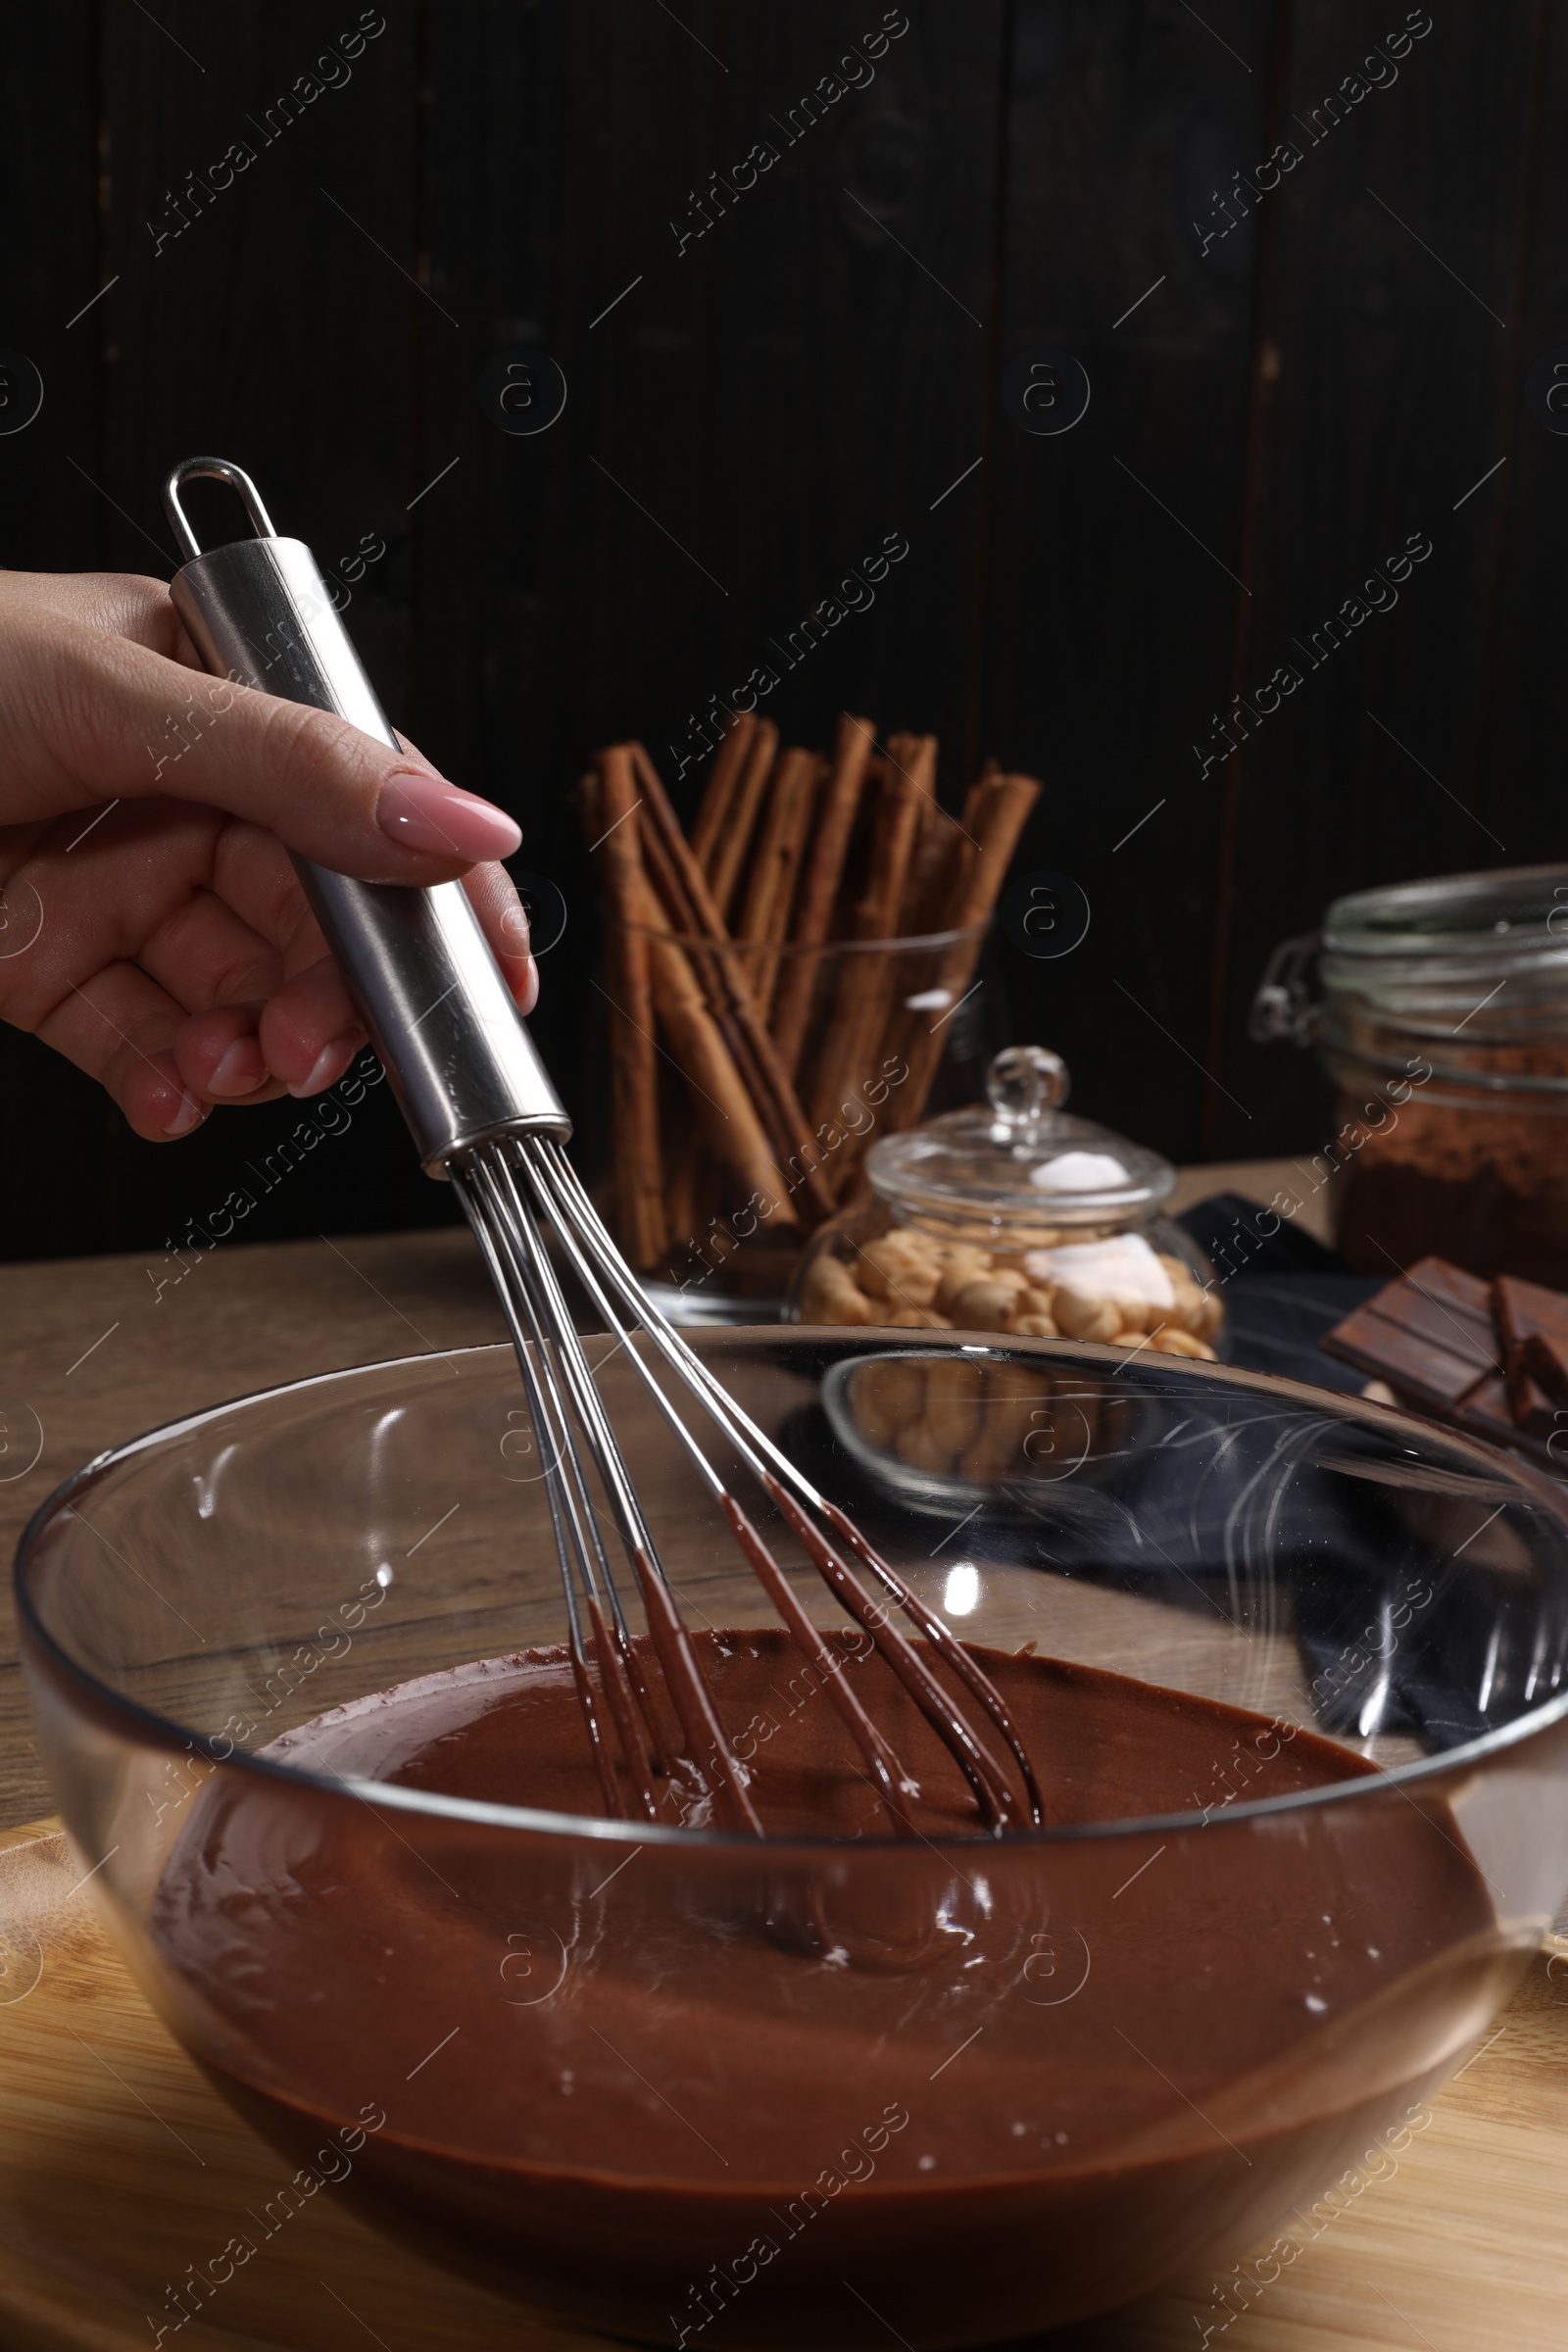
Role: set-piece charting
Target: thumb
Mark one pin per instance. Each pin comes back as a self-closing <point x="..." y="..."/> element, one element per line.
<point x="109" y="718"/>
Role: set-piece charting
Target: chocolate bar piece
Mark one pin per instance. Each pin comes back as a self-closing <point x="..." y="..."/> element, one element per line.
<point x="1429" y="1336"/>
<point x="1487" y="1411"/>
<point x="1433" y="1338"/>
<point x="1533" y="1409"/>
<point x="1533" y="1324"/>
<point x="1546" y="1361"/>
<point x="1450" y="1308"/>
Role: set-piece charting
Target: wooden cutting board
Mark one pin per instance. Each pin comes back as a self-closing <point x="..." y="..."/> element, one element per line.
<point x="120" y="2169"/>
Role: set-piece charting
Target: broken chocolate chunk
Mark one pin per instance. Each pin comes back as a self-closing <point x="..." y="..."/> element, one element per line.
<point x="1533" y="1327"/>
<point x="1432" y="1337"/>
<point x="1429" y="1336"/>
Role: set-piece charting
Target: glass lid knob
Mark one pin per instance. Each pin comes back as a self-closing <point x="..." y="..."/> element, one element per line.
<point x="1025" y="1082"/>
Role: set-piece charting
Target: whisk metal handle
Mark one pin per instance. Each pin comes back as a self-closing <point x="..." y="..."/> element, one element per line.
<point x="418" y="964"/>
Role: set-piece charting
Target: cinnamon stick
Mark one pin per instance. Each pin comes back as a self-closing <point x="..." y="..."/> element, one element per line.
<point x="669" y="874"/>
<point x="693" y="903"/>
<point x="864" y="994"/>
<point x="732" y="841"/>
<point x="906" y="795"/>
<point x="634" y="1074"/>
<point x="768" y="889"/>
<point x="770" y="898"/>
<point x="729" y="761"/>
<point x="977" y="792"/>
<point x="665" y="875"/>
<point x="721" y="1104"/>
<point x="819" y="883"/>
<point x="916" y="755"/>
<point x="938" y="869"/>
<point x="1001" y="810"/>
<point x="996" y="811"/>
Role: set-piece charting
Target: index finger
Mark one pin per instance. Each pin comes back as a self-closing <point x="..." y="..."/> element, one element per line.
<point x="90" y="716"/>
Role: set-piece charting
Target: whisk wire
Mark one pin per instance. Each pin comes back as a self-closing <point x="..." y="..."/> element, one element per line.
<point x="550" y="1321"/>
<point x="625" y="1691"/>
<point x="887" y="1773"/>
<point x="492" y="1192"/>
<point x="761" y="1457"/>
<point x="509" y="1188"/>
<point x="570" y="1508"/>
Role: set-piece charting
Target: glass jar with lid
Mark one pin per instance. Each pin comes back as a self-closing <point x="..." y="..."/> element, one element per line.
<point x="1441" y="1011"/>
<point x="1017" y="1217"/>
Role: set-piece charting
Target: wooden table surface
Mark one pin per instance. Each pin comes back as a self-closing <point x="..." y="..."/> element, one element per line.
<point x="1466" y="2251"/>
<point x="93" y="1355"/>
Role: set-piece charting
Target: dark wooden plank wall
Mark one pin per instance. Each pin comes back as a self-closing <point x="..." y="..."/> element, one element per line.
<point x="1274" y="412"/>
<point x="1394" y="317"/>
<point x="1109" y="630"/>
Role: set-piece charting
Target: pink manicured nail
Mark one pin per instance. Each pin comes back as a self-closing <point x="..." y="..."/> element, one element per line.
<point x="241" y="1070"/>
<point x="322" y="1071"/>
<point x="424" y="812"/>
<point x="185" y="1117"/>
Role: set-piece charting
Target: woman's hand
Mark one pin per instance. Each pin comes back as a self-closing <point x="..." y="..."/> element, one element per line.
<point x="152" y="926"/>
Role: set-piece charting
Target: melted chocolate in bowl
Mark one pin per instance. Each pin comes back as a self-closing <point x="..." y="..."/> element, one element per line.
<point x="739" y="2094"/>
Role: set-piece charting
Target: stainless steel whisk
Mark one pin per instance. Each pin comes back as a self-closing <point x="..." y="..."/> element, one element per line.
<point x="484" y="1115"/>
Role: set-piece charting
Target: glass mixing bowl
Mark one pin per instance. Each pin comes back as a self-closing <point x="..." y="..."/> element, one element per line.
<point x="1039" y="2075"/>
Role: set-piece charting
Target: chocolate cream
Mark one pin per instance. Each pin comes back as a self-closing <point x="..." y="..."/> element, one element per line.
<point x="728" y="2093"/>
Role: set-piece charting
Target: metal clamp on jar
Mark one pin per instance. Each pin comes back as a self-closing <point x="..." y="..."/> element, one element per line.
<point x="1017" y="1218"/>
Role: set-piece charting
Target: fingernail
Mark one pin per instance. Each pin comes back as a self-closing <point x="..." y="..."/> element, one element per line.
<point x="186" y="1117"/>
<point x="424" y="812"/>
<point x="241" y="1070"/>
<point x="329" y="1060"/>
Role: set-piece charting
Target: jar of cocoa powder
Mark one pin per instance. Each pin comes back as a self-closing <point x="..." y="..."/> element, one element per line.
<point x="1014" y="1216"/>
<point x="1441" y="1010"/>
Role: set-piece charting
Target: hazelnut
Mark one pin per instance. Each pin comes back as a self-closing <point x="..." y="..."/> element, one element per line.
<point x="917" y="1318"/>
<point x="952" y="1388"/>
<point x="1014" y="1394"/>
<point x="900" y="1266"/>
<point x="1186" y="1299"/>
<point x="1080" y="1317"/>
<point x="994" y="1453"/>
<point x="875" y="1407"/>
<point x="1175" y="1342"/>
<point x="1134" y="1317"/>
<point x="1080" y="1403"/>
<point x="963" y="1264"/>
<point x="1054" y="1442"/>
<point x="898" y="1384"/>
<point x="831" y="1295"/>
<point x="1035" y="1301"/>
<point x="921" y="1446"/>
<point x="1034" y="1327"/>
<point x="985" y="1303"/>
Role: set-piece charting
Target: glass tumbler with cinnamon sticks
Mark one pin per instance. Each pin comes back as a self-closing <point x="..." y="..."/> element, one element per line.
<point x="782" y="986"/>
